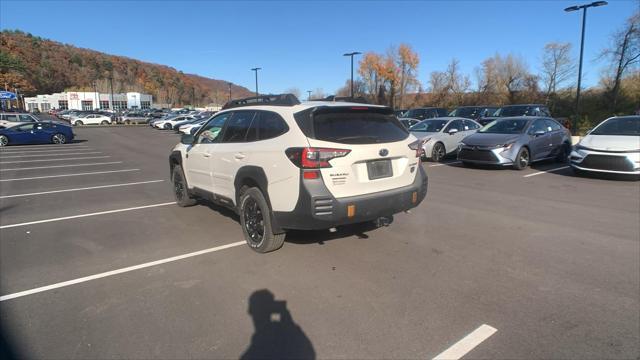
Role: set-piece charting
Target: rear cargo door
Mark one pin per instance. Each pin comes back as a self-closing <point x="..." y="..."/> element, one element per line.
<point x="379" y="159"/>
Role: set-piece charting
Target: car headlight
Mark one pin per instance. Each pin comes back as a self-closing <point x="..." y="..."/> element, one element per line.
<point x="507" y="146"/>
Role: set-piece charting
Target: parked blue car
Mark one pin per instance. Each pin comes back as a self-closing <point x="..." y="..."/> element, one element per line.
<point x="36" y="133"/>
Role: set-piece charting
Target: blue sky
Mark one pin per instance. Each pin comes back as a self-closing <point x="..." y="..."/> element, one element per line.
<point x="300" y="43"/>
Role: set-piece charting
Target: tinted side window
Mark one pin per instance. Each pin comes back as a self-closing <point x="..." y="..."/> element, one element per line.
<point x="209" y="132"/>
<point x="538" y="125"/>
<point x="26" y="118"/>
<point x="455" y="124"/>
<point x="441" y="112"/>
<point x="553" y="125"/>
<point x="238" y="126"/>
<point x="266" y="125"/>
<point x="13" y="118"/>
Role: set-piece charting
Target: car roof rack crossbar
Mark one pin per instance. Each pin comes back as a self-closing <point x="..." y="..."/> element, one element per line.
<point x="334" y="98"/>
<point x="274" y="100"/>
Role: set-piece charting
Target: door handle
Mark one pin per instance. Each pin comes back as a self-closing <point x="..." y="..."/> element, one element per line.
<point x="239" y="156"/>
<point x="206" y="155"/>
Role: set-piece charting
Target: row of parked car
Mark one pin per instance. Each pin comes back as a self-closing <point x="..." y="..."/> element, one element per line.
<point x="611" y="147"/>
<point x="482" y="114"/>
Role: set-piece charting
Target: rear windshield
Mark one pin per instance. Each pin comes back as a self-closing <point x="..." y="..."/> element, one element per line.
<point x="351" y="125"/>
<point x="515" y="111"/>
<point x="626" y="126"/>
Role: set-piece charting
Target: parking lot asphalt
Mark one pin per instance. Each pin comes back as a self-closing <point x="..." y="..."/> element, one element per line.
<point x="549" y="260"/>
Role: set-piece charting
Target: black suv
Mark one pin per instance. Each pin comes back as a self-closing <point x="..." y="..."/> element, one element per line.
<point x="425" y="113"/>
<point x="474" y="112"/>
<point x="517" y="110"/>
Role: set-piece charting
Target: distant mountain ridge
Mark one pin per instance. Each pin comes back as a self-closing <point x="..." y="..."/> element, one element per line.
<point x="35" y="65"/>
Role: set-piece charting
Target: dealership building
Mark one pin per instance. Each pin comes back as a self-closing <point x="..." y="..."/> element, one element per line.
<point x="88" y="101"/>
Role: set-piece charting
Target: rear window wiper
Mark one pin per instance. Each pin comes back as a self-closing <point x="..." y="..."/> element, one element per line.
<point x="374" y="138"/>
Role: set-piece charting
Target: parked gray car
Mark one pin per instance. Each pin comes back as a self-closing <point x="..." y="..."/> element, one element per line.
<point x="517" y="142"/>
<point x="441" y="136"/>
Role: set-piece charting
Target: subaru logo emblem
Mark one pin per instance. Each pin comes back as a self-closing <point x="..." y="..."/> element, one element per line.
<point x="383" y="152"/>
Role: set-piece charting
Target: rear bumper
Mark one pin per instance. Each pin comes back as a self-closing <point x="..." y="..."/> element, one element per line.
<point x="318" y="209"/>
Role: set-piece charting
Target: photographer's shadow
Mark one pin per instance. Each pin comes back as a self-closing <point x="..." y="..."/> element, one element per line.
<point x="276" y="336"/>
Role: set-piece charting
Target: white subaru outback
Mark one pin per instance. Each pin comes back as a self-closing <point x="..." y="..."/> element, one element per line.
<point x="285" y="165"/>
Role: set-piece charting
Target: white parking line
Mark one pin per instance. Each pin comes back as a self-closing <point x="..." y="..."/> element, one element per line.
<point x="77" y="148"/>
<point x="61" y="166"/>
<point x="85" y="215"/>
<point x="65" y="175"/>
<point x="466" y="344"/>
<point x="58" y="146"/>
<point x="81" y="189"/>
<point x="447" y="163"/>
<point x="547" y="171"/>
<point x="67" y="159"/>
<point x="49" y="154"/>
<point x="118" y="271"/>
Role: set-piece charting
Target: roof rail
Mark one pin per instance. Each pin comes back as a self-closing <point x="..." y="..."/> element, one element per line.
<point x="277" y="100"/>
<point x="360" y="99"/>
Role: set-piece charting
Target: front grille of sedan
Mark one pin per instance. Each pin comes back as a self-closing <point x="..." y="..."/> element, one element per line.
<point x="607" y="162"/>
<point x="477" y="155"/>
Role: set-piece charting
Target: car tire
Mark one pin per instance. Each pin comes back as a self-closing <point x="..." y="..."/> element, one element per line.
<point x="127" y="122"/>
<point x="563" y="154"/>
<point x="78" y="123"/>
<point x="438" y="152"/>
<point x="58" y="139"/>
<point x="522" y="159"/>
<point x="180" y="188"/>
<point x="167" y="126"/>
<point x="255" y="219"/>
<point x="104" y="122"/>
<point x="4" y="140"/>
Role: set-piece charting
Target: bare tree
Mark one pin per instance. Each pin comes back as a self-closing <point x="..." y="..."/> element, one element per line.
<point x="407" y="64"/>
<point x="293" y="90"/>
<point x="624" y="54"/>
<point x="457" y="83"/>
<point x="438" y="87"/>
<point x="557" y="66"/>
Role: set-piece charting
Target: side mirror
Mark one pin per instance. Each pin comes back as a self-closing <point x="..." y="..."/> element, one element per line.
<point x="539" y="133"/>
<point x="452" y="131"/>
<point x="187" y="139"/>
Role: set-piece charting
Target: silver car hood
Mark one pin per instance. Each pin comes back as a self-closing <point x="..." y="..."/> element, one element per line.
<point x="488" y="139"/>
<point x="611" y="142"/>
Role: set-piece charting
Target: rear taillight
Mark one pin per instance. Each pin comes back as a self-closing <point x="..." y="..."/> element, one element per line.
<point x="417" y="146"/>
<point x="314" y="158"/>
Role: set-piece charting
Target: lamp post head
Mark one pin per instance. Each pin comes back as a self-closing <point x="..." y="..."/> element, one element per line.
<point x="352" y="53"/>
<point x="256" y="69"/>
<point x="599" y="3"/>
<point x="572" y="8"/>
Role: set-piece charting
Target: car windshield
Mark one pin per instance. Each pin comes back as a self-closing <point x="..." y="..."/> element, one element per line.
<point x="514" y="111"/>
<point x="429" y="126"/>
<point x="511" y="126"/>
<point x="626" y="126"/>
<point x="413" y="113"/>
<point x="463" y="112"/>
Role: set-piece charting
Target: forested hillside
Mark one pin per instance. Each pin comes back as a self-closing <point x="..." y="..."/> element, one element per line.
<point x="39" y="66"/>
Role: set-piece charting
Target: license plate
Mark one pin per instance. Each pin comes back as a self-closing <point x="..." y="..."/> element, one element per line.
<point x="379" y="169"/>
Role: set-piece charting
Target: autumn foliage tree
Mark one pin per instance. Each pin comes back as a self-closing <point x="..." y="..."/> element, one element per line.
<point x="36" y="65"/>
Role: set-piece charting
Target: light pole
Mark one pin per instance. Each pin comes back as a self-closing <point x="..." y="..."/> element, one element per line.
<point x="95" y="89"/>
<point x="256" y="71"/>
<point x="352" y="54"/>
<point x="309" y="96"/>
<point x="229" y="91"/>
<point x="584" y="20"/>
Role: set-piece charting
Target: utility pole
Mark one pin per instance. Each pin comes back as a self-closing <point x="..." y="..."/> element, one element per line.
<point x="111" y="99"/>
<point x="229" y="91"/>
<point x="95" y="89"/>
<point x="352" y="54"/>
<point x="256" y="71"/>
<point x="584" y="21"/>
<point x="309" y="96"/>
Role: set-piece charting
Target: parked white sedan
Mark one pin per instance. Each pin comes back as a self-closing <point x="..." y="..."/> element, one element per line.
<point x="168" y="123"/>
<point x="611" y="147"/>
<point x="441" y="136"/>
<point x="91" y="119"/>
